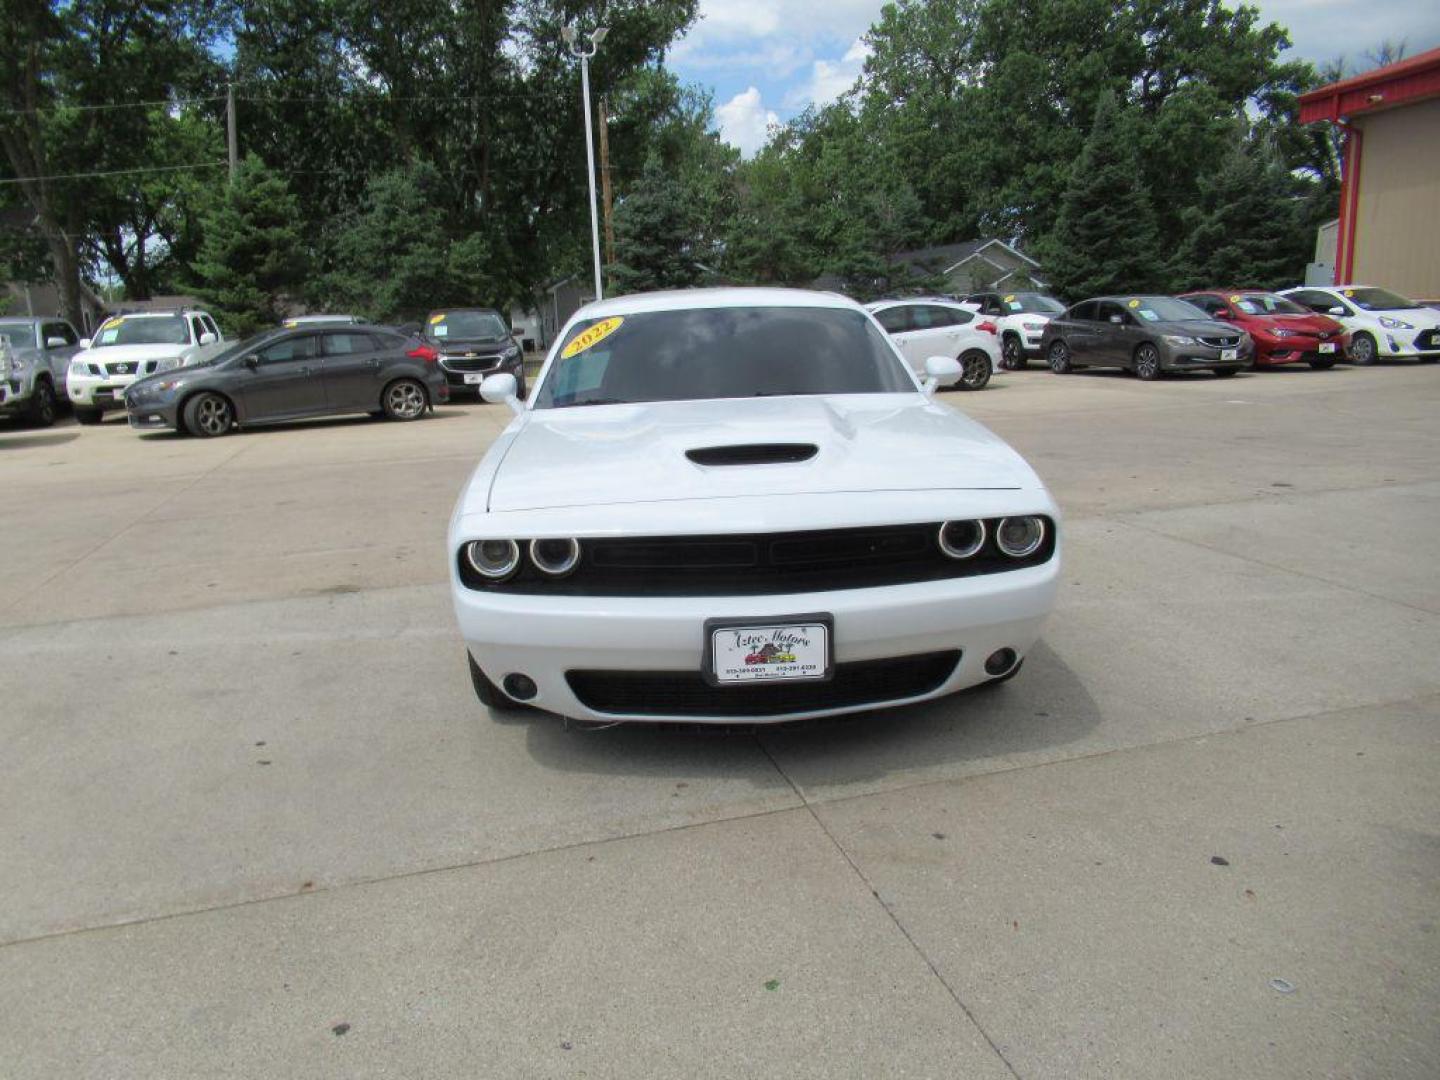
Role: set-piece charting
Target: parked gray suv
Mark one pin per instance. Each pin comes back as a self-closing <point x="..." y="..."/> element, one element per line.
<point x="34" y="358"/>
<point x="1148" y="335"/>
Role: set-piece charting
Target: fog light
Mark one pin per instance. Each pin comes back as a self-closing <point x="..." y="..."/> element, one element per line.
<point x="522" y="687"/>
<point x="999" y="662"/>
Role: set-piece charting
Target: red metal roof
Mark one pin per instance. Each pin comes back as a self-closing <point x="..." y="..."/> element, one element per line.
<point x="1401" y="83"/>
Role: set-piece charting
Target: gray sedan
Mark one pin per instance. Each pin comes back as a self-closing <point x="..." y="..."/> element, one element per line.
<point x="289" y="374"/>
<point x="1148" y="335"/>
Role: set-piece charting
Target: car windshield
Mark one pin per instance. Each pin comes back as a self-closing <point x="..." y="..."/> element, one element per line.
<point x="726" y="352"/>
<point x="147" y="330"/>
<point x="1378" y="300"/>
<point x="1163" y="309"/>
<point x="466" y="325"/>
<point x="1029" y="303"/>
<point x="1268" y="304"/>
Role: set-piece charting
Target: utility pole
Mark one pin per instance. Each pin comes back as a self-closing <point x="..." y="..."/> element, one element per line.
<point x="231" y="138"/>
<point x="571" y="34"/>
<point x="606" y="197"/>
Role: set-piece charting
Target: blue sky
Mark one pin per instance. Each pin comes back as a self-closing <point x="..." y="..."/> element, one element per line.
<point x="765" y="60"/>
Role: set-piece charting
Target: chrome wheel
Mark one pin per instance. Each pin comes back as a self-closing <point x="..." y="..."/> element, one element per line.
<point x="1059" y="358"/>
<point x="404" y="401"/>
<point x="1147" y="362"/>
<point x="209" y="415"/>
<point x="1362" y="350"/>
<point x="974" y="370"/>
<point x="1012" y="357"/>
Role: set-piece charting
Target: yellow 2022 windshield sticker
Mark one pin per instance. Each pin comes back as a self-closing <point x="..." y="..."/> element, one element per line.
<point x="591" y="336"/>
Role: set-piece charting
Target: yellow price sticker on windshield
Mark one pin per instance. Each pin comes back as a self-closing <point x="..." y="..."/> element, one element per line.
<point x="1134" y="303"/>
<point x="435" y="319"/>
<point x="1235" y="299"/>
<point x="1009" y="298"/>
<point x="290" y="324"/>
<point x="1349" y="292"/>
<point x="591" y="336"/>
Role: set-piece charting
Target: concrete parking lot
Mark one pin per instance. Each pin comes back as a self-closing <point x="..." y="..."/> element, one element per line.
<point x="253" y="821"/>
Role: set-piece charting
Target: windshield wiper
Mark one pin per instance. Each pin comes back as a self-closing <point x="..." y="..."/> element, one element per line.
<point x="592" y="401"/>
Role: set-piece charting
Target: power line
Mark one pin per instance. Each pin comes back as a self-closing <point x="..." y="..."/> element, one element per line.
<point x="112" y="105"/>
<point x="114" y="172"/>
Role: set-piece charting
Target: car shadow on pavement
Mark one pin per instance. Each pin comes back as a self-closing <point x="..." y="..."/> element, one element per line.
<point x="1046" y="706"/>
<point x="24" y="438"/>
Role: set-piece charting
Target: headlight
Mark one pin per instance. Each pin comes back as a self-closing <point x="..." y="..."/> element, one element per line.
<point x="76" y="368"/>
<point x="493" y="559"/>
<point x="512" y="352"/>
<point x="1020" y="537"/>
<point x="1394" y="324"/>
<point x="555" y="558"/>
<point x="170" y="363"/>
<point x="1034" y="327"/>
<point x="17" y="364"/>
<point x="1179" y="339"/>
<point x="962" y="539"/>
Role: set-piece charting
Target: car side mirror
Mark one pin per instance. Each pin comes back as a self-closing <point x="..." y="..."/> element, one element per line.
<point x="517" y="331"/>
<point x="1336" y="310"/>
<point x="502" y="388"/>
<point x="55" y="343"/>
<point x="940" y="371"/>
<point x="84" y="342"/>
<point x="207" y="338"/>
<point x="251" y="362"/>
<point x="1118" y="320"/>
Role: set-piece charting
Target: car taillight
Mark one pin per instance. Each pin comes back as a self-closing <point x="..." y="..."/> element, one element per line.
<point x="423" y="352"/>
<point x="987" y="328"/>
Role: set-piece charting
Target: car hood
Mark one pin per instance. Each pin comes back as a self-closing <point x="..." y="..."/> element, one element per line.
<point x="463" y="345"/>
<point x="606" y="454"/>
<point x="1194" y="328"/>
<point x="1422" y="318"/>
<point x="121" y="354"/>
<point x="1314" y="324"/>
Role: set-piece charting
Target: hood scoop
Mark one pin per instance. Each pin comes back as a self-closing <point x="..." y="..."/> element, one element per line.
<point x="752" y="454"/>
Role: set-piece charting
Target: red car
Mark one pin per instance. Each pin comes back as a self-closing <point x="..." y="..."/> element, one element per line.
<point x="1283" y="331"/>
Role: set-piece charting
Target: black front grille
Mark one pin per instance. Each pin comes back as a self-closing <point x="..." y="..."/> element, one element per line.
<point x="1430" y="339"/>
<point x="759" y="564"/>
<point x="1220" y="342"/>
<point x="685" y="693"/>
<point x="469" y="363"/>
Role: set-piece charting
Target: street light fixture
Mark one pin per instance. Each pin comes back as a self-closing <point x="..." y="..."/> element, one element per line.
<point x="571" y="34"/>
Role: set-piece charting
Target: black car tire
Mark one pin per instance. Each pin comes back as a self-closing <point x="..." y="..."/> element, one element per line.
<point x="86" y="415"/>
<point x="404" y="400"/>
<point x="975" y="370"/>
<point x="1012" y="353"/>
<point x="1363" y="350"/>
<point x="208" y="416"/>
<point x="42" y="405"/>
<point x="1147" y="362"/>
<point x="1226" y="372"/>
<point x="1058" y="357"/>
<point x="1320" y="363"/>
<point x="491" y="695"/>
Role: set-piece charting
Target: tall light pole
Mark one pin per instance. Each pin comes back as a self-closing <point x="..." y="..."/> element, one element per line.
<point x="571" y="34"/>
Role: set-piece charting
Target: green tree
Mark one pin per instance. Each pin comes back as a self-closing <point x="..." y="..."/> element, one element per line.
<point x="1106" y="239"/>
<point x="253" y="252"/>
<point x="655" y="232"/>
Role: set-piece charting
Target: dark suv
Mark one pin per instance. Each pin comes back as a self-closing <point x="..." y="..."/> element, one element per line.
<point x="474" y="343"/>
<point x="288" y="374"/>
<point x="1144" y="334"/>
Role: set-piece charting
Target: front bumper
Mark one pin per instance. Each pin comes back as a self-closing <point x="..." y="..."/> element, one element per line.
<point x="1188" y="357"/>
<point x="466" y="373"/>
<point x="103" y="392"/>
<point x="1295" y="350"/>
<point x="545" y="637"/>
<point x="157" y="415"/>
<point x="1423" y="343"/>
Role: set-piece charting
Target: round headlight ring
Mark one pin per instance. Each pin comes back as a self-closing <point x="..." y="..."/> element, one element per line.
<point x="555" y="558"/>
<point x="1028" y="543"/>
<point x="961" y="539"/>
<point x="494" y="560"/>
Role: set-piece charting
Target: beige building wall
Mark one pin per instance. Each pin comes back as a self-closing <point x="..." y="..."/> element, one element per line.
<point x="1397" y="233"/>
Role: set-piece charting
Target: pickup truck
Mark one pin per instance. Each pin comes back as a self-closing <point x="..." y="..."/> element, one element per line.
<point x="34" y="359"/>
<point x="128" y="347"/>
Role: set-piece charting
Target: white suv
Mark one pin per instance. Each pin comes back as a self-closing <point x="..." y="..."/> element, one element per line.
<point x="129" y="347"/>
<point x="1382" y="324"/>
<point x="1020" y="318"/>
<point x="925" y="327"/>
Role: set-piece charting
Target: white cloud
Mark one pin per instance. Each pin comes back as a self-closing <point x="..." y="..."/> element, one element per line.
<point x="745" y="122"/>
<point x="754" y="34"/>
<point x="830" y="78"/>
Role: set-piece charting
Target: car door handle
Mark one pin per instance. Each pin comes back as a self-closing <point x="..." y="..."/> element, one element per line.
<point x="304" y="371"/>
<point x="372" y="363"/>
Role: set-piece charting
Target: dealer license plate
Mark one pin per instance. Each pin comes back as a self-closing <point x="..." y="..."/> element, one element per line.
<point x="475" y="380"/>
<point x="795" y="649"/>
<point x="1327" y="346"/>
<point x="1228" y="354"/>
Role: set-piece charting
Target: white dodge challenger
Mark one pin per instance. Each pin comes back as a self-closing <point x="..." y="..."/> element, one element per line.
<point x="740" y="505"/>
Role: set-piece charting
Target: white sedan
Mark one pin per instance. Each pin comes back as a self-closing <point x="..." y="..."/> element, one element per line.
<point x="740" y="505"/>
<point x="1382" y="324"/>
<point x="923" y="327"/>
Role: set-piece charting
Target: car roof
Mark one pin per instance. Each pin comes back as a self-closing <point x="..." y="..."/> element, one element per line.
<point x="22" y="320"/>
<point x="684" y="299"/>
<point x="876" y="305"/>
<point x="172" y="314"/>
<point x="449" y="310"/>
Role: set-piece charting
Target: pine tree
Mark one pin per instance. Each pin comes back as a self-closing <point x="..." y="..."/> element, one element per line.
<point x="1247" y="229"/>
<point x="252" y="252"/>
<point x="1106" y="239"/>
<point x="655" y="231"/>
